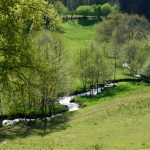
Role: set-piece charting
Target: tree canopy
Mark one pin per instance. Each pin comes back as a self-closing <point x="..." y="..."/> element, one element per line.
<point x="21" y="71"/>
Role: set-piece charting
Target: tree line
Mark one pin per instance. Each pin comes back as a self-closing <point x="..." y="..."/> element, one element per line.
<point x="73" y="4"/>
<point x="140" y="7"/>
<point x="99" y="11"/>
<point x="120" y="39"/>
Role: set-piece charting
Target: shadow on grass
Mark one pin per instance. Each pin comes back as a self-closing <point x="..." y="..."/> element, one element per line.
<point x="23" y="130"/>
<point x="87" y="22"/>
<point x="107" y="93"/>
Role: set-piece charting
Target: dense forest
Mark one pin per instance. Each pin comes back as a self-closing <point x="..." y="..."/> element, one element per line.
<point x="136" y="6"/>
<point x="131" y="6"/>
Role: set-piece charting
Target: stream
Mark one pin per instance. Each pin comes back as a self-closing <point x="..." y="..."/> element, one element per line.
<point x="67" y="102"/>
<point x="74" y="106"/>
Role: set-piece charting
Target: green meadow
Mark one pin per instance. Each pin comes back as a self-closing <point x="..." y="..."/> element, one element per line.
<point x="77" y="34"/>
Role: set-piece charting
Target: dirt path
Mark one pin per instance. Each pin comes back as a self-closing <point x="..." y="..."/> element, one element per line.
<point x="108" y="107"/>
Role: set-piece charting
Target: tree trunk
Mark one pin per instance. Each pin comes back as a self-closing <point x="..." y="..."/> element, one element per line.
<point x="45" y="110"/>
<point x="115" y="68"/>
<point x="97" y="86"/>
<point x="53" y="106"/>
<point x="1" y="113"/>
<point x="45" y="120"/>
<point x="84" y="83"/>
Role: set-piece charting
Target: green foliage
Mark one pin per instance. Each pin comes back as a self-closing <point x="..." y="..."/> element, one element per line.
<point x="97" y="10"/>
<point x="32" y="15"/>
<point x="136" y="54"/>
<point x="27" y="80"/>
<point x="50" y="52"/>
<point x="61" y="9"/>
<point x="106" y="9"/>
<point x="122" y="27"/>
<point x="146" y="69"/>
<point x="93" y="67"/>
<point x="85" y="11"/>
<point x="126" y="35"/>
<point x="36" y="90"/>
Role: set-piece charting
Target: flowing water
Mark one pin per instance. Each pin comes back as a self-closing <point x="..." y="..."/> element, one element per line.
<point x="74" y="106"/>
<point x="67" y="102"/>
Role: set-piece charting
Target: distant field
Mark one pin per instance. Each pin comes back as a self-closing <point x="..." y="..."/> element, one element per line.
<point x="118" y="121"/>
<point x="77" y="34"/>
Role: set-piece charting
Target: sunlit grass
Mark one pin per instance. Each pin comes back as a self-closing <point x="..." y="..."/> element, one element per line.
<point x="77" y="36"/>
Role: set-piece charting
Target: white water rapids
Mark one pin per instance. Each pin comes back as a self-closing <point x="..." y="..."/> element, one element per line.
<point x="74" y="106"/>
<point x="67" y="101"/>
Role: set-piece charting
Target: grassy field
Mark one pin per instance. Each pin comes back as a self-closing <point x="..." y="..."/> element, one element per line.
<point x="77" y="34"/>
<point x="118" y="119"/>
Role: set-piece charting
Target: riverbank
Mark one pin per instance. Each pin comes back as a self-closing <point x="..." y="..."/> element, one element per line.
<point x="73" y="102"/>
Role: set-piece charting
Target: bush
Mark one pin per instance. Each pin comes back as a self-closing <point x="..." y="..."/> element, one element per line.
<point x="106" y="9"/>
<point x="85" y="11"/>
<point x="61" y="9"/>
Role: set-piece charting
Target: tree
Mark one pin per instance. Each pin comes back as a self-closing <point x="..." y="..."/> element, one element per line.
<point x="98" y="11"/>
<point x="136" y="54"/>
<point x="85" y="10"/>
<point x="120" y="29"/>
<point x="20" y="19"/>
<point x="106" y="9"/>
<point x="49" y="50"/>
<point x="146" y="69"/>
<point x="93" y="66"/>
<point x="61" y="9"/>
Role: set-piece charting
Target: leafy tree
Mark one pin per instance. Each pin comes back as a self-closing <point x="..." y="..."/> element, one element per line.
<point x="98" y="11"/>
<point x="146" y="69"/>
<point x="135" y="54"/>
<point x="20" y="19"/>
<point x="119" y="30"/>
<point x="61" y="9"/>
<point x="85" y="10"/>
<point x="93" y="66"/>
<point x="106" y="9"/>
<point x="49" y="50"/>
